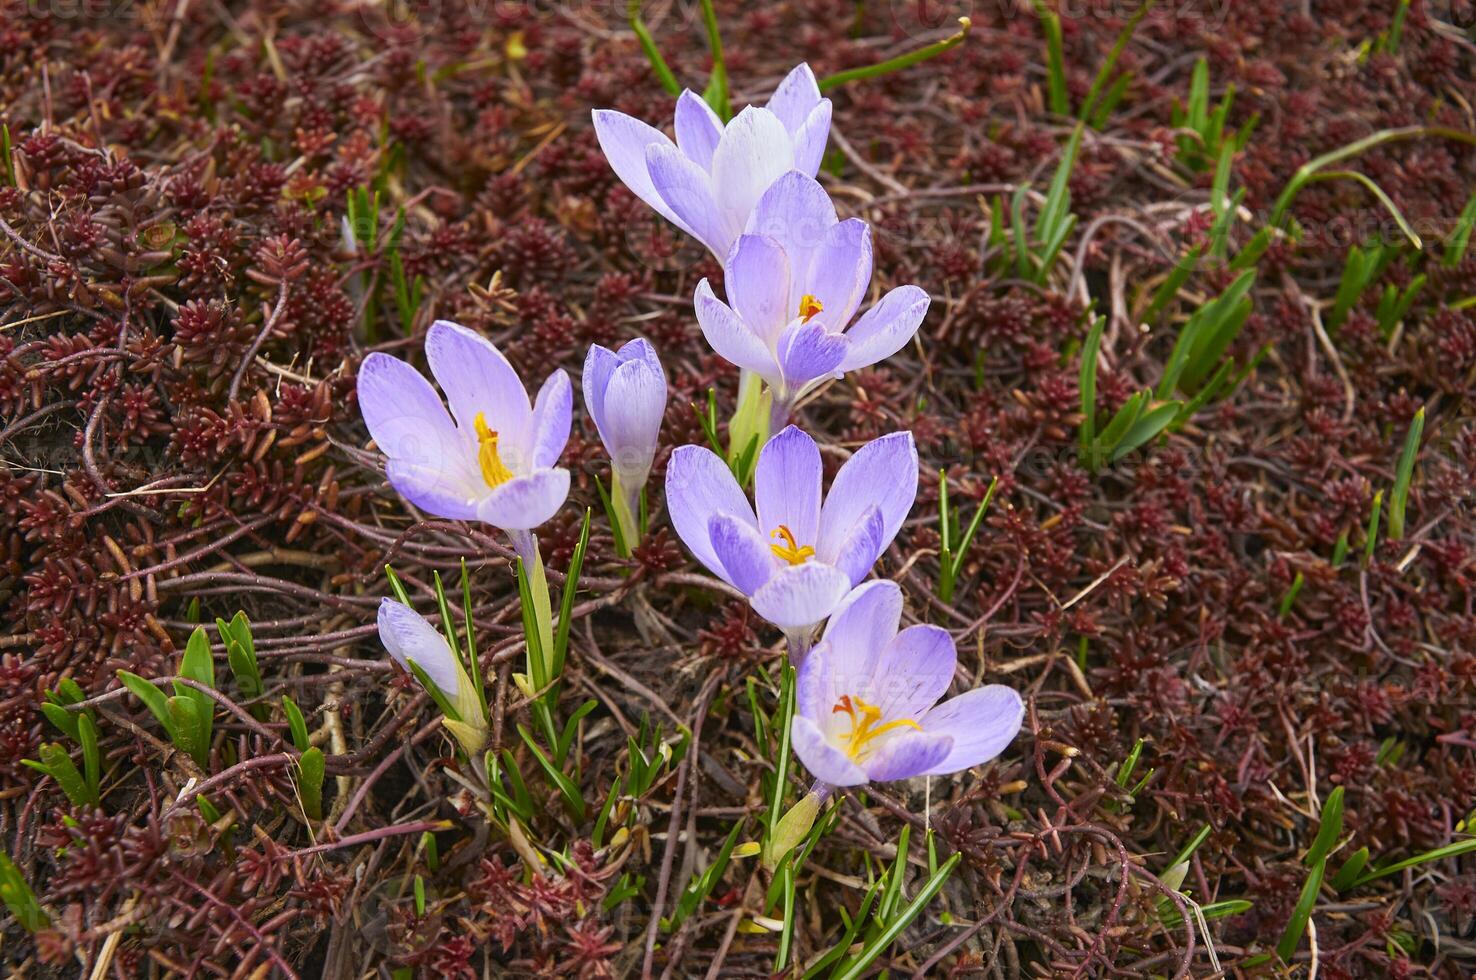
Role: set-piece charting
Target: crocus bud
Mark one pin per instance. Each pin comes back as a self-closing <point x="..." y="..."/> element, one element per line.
<point x="412" y="640"/>
<point x="625" y="393"/>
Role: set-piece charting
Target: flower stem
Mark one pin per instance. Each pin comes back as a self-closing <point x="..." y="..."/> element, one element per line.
<point x="626" y="503"/>
<point x="800" y="641"/>
<point x="540" y="661"/>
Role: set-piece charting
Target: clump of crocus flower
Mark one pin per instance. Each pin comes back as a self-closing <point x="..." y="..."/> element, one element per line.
<point x="707" y="182"/>
<point x="494" y="463"/>
<point x="795" y="558"/>
<point x="625" y="394"/>
<point x="418" y="647"/>
<point x="794" y="280"/>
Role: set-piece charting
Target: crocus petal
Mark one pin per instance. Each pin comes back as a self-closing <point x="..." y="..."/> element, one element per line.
<point x="624" y="140"/>
<point x="807" y="351"/>
<point x="409" y="423"/>
<point x="635" y="403"/>
<point x="982" y="722"/>
<point x="839" y="274"/>
<point x="698" y="128"/>
<point x="795" y="97"/>
<point x="861" y="547"/>
<point x="742" y="552"/>
<point x="687" y="191"/>
<point x="552" y="414"/>
<point x="810" y="140"/>
<point x="757" y="281"/>
<point x="699" y="485"/>
<point x="882" y="473"/>
<point x="478" y="379"/>
<point x="913" y="672"/>
<point x="846" y="657"/>
<point x="885" y="328"/>
<point x="787" y="486"/>
<point x="754" y="152"/>
<point x="396" y="400"/>
<point x="408" y="636"/>
<point x="907" y="754"/>
<point x="801" y="595"/>
<point x="729" y="335"/>
<point x="444" y="492"/>
<point x="524" y="502"/>
<point x="798" y="213"/>
<point x="861" y="626"/>
<point x="825" y="762"/>
<point x="599" y="364"/>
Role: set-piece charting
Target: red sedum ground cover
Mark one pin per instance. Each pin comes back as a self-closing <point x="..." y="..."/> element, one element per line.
<point x="183" y="315"/>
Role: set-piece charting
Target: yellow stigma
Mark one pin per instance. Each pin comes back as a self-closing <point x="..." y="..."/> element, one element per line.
<point x="790" y="551"/>
<point x="809" y="306"/>
<point x="493" y="470"/>
<point x="864" y="727"/>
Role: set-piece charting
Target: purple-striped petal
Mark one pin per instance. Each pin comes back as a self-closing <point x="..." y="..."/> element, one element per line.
<point x="982" y="722"/>
<point x="635" y="404"/>
<point x="408" y="636"/>
<point x="795" y="97"/>
<point x="599" y="364"/>
<point x="799" y="596"/>
<point x="796" y="212"/>
<point x="553" y="413"/>
<point x="757" y="281"/>
<point x="432" y="463"/>
<point x="787" y="486"/>
<point x="913" y="672"/>
<point x="624" y="141"/>
<point x="698" y="128"/>
<point x="441" y="491"/>
<point x="807" y="351"/>
<point x="902" y="755"/>
<point x="730" y="336"/>
<point x="825" y="762"/>
<point x="478" y="379"/>
<point x="861" y="547"/>
<point x="886" y="328"/>
<point x="698" y="486"/>
<point x="524" y="502"/>
<point x="687" y="191"/>
<point x="854" y="640"/>
<point x="882" y="473"/>
<point x="745" y="559"/>
<point x="810" y="139"/>
<point x="754" y="152"/>
<point x="839" y="274"/>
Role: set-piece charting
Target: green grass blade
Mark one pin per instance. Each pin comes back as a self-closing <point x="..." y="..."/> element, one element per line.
<point x="1403" y="475"/>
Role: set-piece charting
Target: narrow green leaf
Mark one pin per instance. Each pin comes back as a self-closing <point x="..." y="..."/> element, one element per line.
<point x="153" y="699"/>
<point x="17" y="894"/>
<point x="1329" y="828"/>
<point x="653" y="53"/>
<point x="1351" y="869"/>
<point x="1123" y="36"/>
<point x="874" y="948"/>
<point x="1291" y="937"/>
<point x="310" y="770"/>
<point x="1148" y="426"/>
<point x="900" y="62"/>
<point x="573" y="798"/>
<point x="1403" y="475"/>
<point x="296" y="724"/>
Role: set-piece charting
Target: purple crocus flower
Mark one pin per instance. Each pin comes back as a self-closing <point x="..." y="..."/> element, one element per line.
<point x="794" y="280"/>
<point x="708" y="181"/>
<point x="866" y="699"/>
<point x="495" y="461"/>
<point x="625" y="393"/>
<point x="795" y="559"/>
<point x="410" y="638"/>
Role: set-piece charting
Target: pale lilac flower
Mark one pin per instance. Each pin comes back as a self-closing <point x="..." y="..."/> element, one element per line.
<point x="495" y="461"/>
<point x="866" y="699"/>
<point x="708" y="181"/>
<point x="625" y="394"/>
<point x="794" y="280"/>
<point x="410" y="638"/>
<point x="795" y="559"/>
